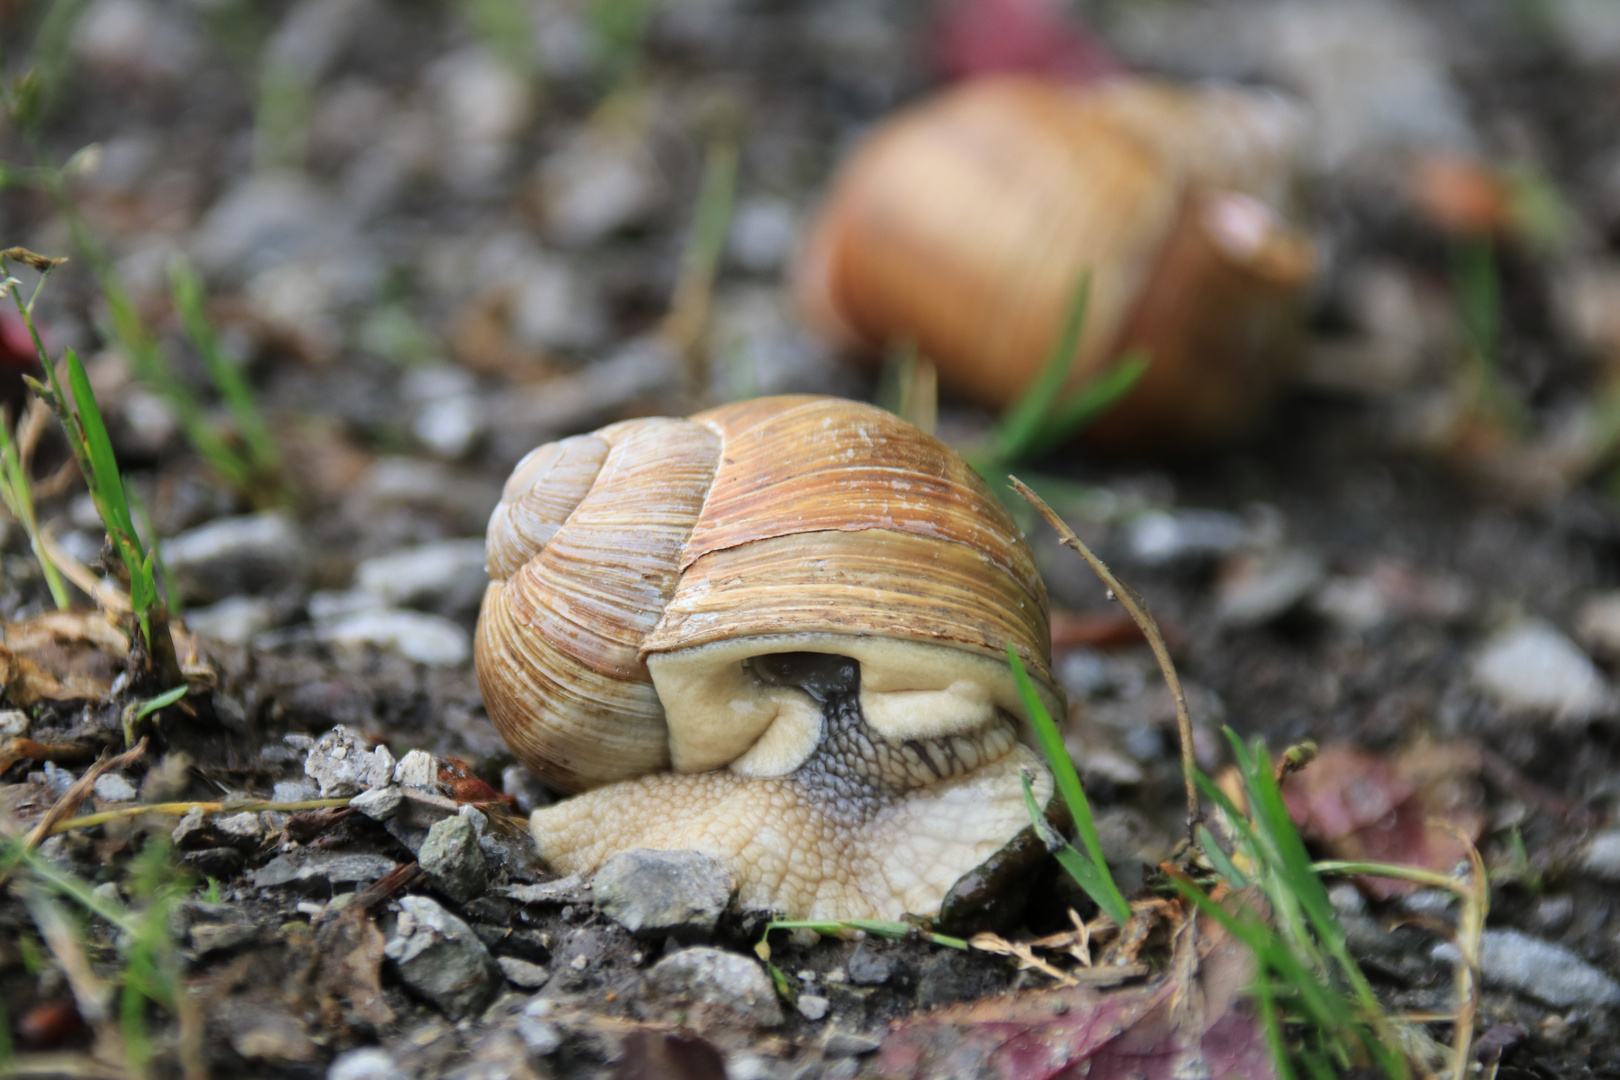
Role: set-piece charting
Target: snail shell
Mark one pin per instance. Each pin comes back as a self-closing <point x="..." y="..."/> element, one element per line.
<point x="649" y="582"/>
<point x="964" y="224"/>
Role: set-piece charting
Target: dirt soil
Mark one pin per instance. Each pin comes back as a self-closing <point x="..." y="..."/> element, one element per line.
<point x="438" y="235"/>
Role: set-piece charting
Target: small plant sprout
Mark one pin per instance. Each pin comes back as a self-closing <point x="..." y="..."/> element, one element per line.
<point x="17" y="494"/>
<point x="87" y="436"/>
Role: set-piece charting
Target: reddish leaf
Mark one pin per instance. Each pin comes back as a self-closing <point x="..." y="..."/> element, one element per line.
<point x="975" y="38"/>
<point x="1177" y="1026"/>
<point x="466" y="786"/>
<point x="1355" y="805"/>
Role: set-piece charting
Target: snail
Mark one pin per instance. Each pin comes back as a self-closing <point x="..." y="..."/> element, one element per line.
<point x="965" y="223"/>
<point x="775" y="633"/>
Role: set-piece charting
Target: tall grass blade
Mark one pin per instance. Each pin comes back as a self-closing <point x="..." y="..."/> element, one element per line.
<point x="1110" y="899"/>
<point x="1023" y="424"/>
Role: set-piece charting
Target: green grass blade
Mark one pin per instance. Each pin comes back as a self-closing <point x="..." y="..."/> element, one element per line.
<point x="189" y="301"/>
<point x="105" y="480"/>
<point x="19" y="499"/>
<point x="1218" y="859"/>
<point x="1110" y="899"/>
<point x="1089" y="402"/>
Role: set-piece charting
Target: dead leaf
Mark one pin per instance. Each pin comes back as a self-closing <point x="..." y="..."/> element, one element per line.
<point x="466" y="786"/>
<point x="24" y="683"/>
<point x="1194" y="1021"/>
<point x="1359" y="806"/>
<point x="60" y="656"/>
<point x="348" y="974"/>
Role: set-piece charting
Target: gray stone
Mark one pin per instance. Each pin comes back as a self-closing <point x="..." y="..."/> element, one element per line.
<point x="446" y="576"/>
<point x="439" y="957"/>
<point x="311" y="37"/>
<point x="244" y="830"/>
<point x="522" y="785"/>
<point x="523" y="973"/>
<point x="658" y="893"/>
<point x="1256" y="589"/>
<point x="343" y="764"/>
<point x="537" y="1033"/>
<point x="113" y="787"/>
<point x="328" y="605"/>
<point x="867" y="968"/>
<point x="812" y="1006"/>
<point x="567" y="890"/>
<point x="314" y="867"/>
<point x="195" y="831"/>
<point x="1163" y="537"/>
<point x="234" y="555"/>
<point x="13" y="722"/>
<point x="1535" y="669"/>
<point x="452" y="855"/>
<point x="850" y="1044"/>
<point x="597" y="184"/>
<point x="270" y="219"/>
<point x="235" y="620"/>
<point x="208" y="938"/>
<point x="1601" y="859"/>
<point x="720" y="978"/>
<point x="415" y="635"/>
<point x="365" y="1063"/>
<point x="1541" y="969"/>
<point x="135" y="40"/>
<point x="293" y="791"/>
<point x="763" y="234"/>
<point x="379" y="803"/>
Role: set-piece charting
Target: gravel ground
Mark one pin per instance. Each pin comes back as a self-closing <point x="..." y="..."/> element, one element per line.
<point x="432" y="242"/>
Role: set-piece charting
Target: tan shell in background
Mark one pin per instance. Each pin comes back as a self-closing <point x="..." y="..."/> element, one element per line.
<point x="781" y="516"/>
<point x="964" y="224"/>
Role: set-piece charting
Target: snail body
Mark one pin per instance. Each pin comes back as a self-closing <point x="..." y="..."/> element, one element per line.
<point x="965" y="223"/>
<point x="774" y="632"/>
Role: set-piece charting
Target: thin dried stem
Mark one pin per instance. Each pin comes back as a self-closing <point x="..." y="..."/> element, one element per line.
<point x="1139" y="614"/>
<point x="87" y="821"/>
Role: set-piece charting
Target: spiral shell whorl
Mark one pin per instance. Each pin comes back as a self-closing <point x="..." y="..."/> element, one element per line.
<point x="785" y="516"/>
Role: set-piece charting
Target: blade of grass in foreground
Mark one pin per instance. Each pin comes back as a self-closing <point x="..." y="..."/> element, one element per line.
<point x="1107" y="894"/>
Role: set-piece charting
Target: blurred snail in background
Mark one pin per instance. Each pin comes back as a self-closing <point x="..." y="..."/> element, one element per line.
<point x="776" y="633"/>
<point x="965" y="223"/>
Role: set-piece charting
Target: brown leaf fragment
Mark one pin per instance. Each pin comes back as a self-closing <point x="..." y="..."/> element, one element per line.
<point x="466" y="786"/>
<point x="1193" y="1021"/>
<point x="348" y="973"/>
<point x="1359" y="806"/>
<point x="24" y="683"/>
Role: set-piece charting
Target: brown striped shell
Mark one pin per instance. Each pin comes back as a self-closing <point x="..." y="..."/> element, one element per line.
<point x="964" y="223"/>
<point x="636" y="571"/>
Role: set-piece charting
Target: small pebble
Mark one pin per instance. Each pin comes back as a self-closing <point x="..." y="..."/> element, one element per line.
<point x="439" y="957"/>
<point x="663" y="893"/>
<point x="1533" y="668"/>
<point x="237" y="555"/>
<point x="446" y="576"/>
<point x="867" y="968"/>
<point x="113" y="787"/>
<point x="1541" y="969"/>
<point x="235" y="620"/>
<point x="379" y="803"/>
<point x="427" y="639"/>
<point x="452" y="855"/>
<point x="1601" y="859"/>
<point x="365" y="1063"/>
<point x="812" y="1006"/>
<point x="716" y="977"/>
<point x="523" y="973"/>
<point x="417" y="769"/>
<point x="14" y="722"/>
<point x="850" y="1044"/>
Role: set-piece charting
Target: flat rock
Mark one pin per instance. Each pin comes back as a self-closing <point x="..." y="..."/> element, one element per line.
<point x="415" y="635"/>
<point x="716" y="977"/>
<point x="663" y="892"/>
<point x="365" y="1063"/>
<point x="113" y="787"/>
<point x="235" y="620"/>
<point x="1539" y="968"/>
<point x="234" y="555"/>
<point x="379" y="803"/>
<point x="529" y="976"/>
<point x="1535" y="669"/>
<point x="1256" y="589"/>
<point x="867" y="968"/>
<point x="446" y="576"/>
<point x="452" y="855"/>
<point x="1601" y="859"/>
<point x="439" y="957"/>
<point x="313" y="867"/>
